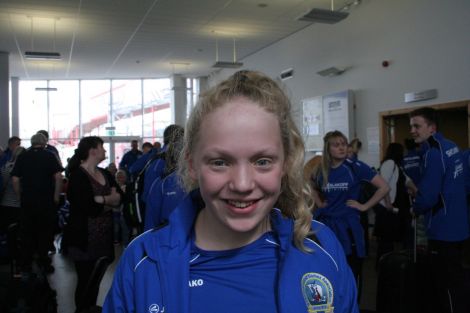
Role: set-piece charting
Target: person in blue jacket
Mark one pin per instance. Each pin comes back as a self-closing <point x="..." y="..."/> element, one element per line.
<point x="337" y="184"/>
<point x="166" y="192"/>
<point x="243" y="240"/>
<point x="157" y="166"/>
<point x="441" y="199"/>
<point x="131" y="156"/>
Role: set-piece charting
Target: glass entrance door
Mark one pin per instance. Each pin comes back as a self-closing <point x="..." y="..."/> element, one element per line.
<point x="116" y="146"/>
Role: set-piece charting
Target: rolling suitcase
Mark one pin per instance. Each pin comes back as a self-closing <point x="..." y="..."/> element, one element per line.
<point x="402" y="283"/>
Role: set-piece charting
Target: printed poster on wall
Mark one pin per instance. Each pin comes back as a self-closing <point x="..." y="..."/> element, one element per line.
<point x="313" y="123"/>
<point x="337" y="113"/>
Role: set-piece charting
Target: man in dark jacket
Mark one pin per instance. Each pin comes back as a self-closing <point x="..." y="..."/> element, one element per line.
<point x="37" y="181"/>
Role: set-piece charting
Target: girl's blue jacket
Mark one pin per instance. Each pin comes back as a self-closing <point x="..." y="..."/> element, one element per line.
<point x="153" y="273"/>
<point x="164" y="195"/>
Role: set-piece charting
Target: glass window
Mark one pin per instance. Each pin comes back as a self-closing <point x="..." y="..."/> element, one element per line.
<point x="32" y="108"/>
<point x="157" y="111"/>
<point x="105" y="162"/>
<point x="95" y="98"/>
<point x="64" y="126"/>
<point x="192" y="94"/>
<point x="127" y="107"/>
<point x="72" y="109"/>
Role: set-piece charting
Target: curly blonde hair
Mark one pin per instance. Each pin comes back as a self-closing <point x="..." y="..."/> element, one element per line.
<point x="295" y="200"/>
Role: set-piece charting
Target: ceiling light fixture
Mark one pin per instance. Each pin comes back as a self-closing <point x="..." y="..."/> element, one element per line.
<point x="226" y="64"/>
<point x="36" y="55"/>
<point x="324" y="16"/>
<point x="41" y="55"/>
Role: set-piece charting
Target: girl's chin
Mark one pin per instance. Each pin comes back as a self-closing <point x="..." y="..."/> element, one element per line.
<point x="246" y="226"/>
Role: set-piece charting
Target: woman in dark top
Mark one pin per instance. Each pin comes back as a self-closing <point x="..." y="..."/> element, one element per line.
<point x="92" y="193"/>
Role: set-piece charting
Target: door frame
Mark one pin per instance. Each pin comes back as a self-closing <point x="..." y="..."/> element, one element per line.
<point x="112" y="140"/>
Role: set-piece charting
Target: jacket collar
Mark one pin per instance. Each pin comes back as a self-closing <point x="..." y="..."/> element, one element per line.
<point x="432" y="141"/>
<point x="176" y="239"/>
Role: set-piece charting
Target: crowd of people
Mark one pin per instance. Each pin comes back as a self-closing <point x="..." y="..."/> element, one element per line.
<point x="227" y="216"/>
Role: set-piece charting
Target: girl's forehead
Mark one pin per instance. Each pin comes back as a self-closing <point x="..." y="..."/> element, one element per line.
<point x="337" y="140"/>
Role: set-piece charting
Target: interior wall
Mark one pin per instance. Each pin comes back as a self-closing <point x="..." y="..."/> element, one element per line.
<point x="425" y="41"/>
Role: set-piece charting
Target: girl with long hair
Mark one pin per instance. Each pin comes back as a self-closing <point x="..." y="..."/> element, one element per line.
<point x="92" y="193"/>
<point x="337" y="186"/>
<point x="243" y="240"/>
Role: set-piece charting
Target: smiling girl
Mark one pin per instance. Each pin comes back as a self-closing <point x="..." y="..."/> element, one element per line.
<point x="243" y="240"/>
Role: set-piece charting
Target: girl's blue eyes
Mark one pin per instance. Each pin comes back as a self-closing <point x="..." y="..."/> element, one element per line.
<point x="258" y="163"/>
<point x="263" y="162"/>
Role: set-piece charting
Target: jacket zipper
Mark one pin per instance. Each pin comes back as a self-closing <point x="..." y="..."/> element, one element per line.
<point x="162" y="287"/>
<point x="282" y="257"/>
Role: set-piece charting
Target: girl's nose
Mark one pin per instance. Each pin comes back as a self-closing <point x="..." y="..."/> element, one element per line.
<point x="242" y="179"/>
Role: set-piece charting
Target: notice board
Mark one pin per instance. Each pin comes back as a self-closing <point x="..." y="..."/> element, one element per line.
<point x="327" y="113"/>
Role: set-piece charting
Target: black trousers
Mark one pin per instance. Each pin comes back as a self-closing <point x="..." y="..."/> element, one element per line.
<point x="8" y="216"/>
<point x="84" y="270"/>
<point x="355" y="263"/>
<point x="448" y="279"/>
<point x="36" y="234"/>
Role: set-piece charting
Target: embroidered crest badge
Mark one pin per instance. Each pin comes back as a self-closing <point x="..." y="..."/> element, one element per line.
<point x="318" y="293"/>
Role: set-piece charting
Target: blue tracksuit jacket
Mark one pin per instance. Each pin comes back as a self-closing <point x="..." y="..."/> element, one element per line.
<point x="344" y="183"/>
<point x="129" y="158"/>
<point x="153" y="172"/>
<point x="139" y="164"/>
<point x="441" y="191"/>
<point x="153" y="273"/>
<point x="163" y="197"/>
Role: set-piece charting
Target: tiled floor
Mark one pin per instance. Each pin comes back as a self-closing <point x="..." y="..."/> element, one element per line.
<point x="63" y="280"/>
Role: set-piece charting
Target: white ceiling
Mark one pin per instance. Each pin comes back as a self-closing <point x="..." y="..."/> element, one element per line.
<point x="142" y="38"/>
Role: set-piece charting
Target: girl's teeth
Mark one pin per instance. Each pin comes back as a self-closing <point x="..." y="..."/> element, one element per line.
<point x="240" y="204"/>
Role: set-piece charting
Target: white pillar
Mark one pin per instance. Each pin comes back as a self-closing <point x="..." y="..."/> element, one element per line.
<point x="4" y="99"/>
<point x="179" y="99"/>
<point x="15" y="115"/>
<point x="203" y="84"/>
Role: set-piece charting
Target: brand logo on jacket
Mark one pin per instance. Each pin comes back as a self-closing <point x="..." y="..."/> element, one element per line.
<point x="318" y="293"/>
<point x="154" y="308"/>
<point x="196" y="283"/>
<point x="336" y="186"/>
